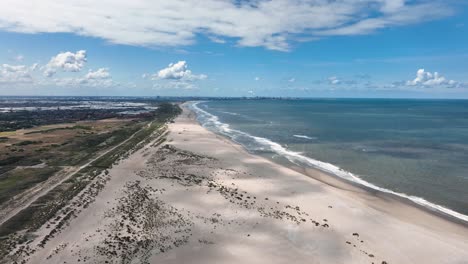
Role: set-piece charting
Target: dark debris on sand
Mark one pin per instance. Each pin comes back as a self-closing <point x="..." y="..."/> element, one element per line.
<point x="143" y="225"/>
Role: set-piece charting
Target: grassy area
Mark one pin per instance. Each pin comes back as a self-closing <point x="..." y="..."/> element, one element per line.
<point x="46" y="206"/>
<point x="58" y="128"/>
<point x="43" y="131"/>
<point x="61" y="146"/>
<point x="11" y="121"/>
<point x="57" y="148"/>
<point x="85" y="147"/>
<point x="140" y="136"/>
<point x="19" y="227"/>
<point x="4" y="169"/>
<point x="27" y="142"/>
<point x="18" y="180"/>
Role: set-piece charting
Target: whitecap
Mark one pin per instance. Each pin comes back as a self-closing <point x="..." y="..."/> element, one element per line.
<point x="304" y="137"/>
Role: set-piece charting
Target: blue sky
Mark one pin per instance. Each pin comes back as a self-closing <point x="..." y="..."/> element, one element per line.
<point x="305" y="48"/>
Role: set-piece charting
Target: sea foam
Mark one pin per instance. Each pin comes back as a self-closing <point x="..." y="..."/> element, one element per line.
<point x="304" y="137"/>
<point x="211" y="121"/>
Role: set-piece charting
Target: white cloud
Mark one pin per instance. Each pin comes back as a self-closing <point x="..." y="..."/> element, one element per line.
<point x="102" y="73"/>
<point x="333" y="80"/>
<point x="178" y="71"/>
<point x="292" y="80"/>
<point x="257" y="78"/>
<point x="425" y="78"/>
<point x="34" y="67"/>
<point x="14" y="74"/>
<point x="101" y="78"/>
<point x="216" y="39"/>
<point x="389" y="6"/>
<point x="272" y="24"/>
<point x="19" y="58"/>
<point x="176" y="76"/>
<point x="66" y="61"/>
<point x="394" y="13"/>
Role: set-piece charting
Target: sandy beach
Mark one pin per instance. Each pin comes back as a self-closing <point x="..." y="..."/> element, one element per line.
<point x="200" y="198"/>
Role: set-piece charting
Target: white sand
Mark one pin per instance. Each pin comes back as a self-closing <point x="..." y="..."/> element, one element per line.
<point x="221" y="231"/>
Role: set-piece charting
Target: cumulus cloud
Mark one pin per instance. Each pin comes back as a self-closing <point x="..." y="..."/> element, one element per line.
<point x="66" y="61"/>
<point x="13" y="74"/>
<point x="100" y="78"/>
<point x="272" y="24"/>
<point x="333" y="80"/>
<point x="178" y="71"/>
<point x="216" y="39"/>
<point x="176" y="76"/>
<point x="34" y="67"/>
<point x="102" y="73"/>
<point x="424" y="78"/>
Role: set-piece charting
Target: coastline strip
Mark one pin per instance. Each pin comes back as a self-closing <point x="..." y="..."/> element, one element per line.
<point x="296" y="158"/>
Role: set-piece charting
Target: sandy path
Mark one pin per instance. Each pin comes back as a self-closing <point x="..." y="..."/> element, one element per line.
<point x="203" y="199"/>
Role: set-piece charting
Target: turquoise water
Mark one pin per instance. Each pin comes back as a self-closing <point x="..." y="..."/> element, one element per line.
<point x="416" y="148"/>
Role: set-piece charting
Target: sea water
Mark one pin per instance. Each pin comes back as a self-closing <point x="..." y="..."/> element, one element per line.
<point x="417" y="149"/>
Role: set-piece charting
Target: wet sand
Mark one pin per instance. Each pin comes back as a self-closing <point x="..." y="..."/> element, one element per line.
<point x="200" y="198"/>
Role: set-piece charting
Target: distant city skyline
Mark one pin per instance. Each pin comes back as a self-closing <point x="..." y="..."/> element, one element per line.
<point x="288" y="48"/>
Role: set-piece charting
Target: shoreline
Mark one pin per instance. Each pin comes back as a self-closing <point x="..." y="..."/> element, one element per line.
<point x="337" y="181"/>
<point x="345" y="185"/>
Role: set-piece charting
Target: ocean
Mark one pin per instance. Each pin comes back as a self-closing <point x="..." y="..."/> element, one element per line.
<point x="417" y="149"/>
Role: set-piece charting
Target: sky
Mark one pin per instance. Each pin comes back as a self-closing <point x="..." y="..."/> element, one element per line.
<point x="288" y="48"/>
